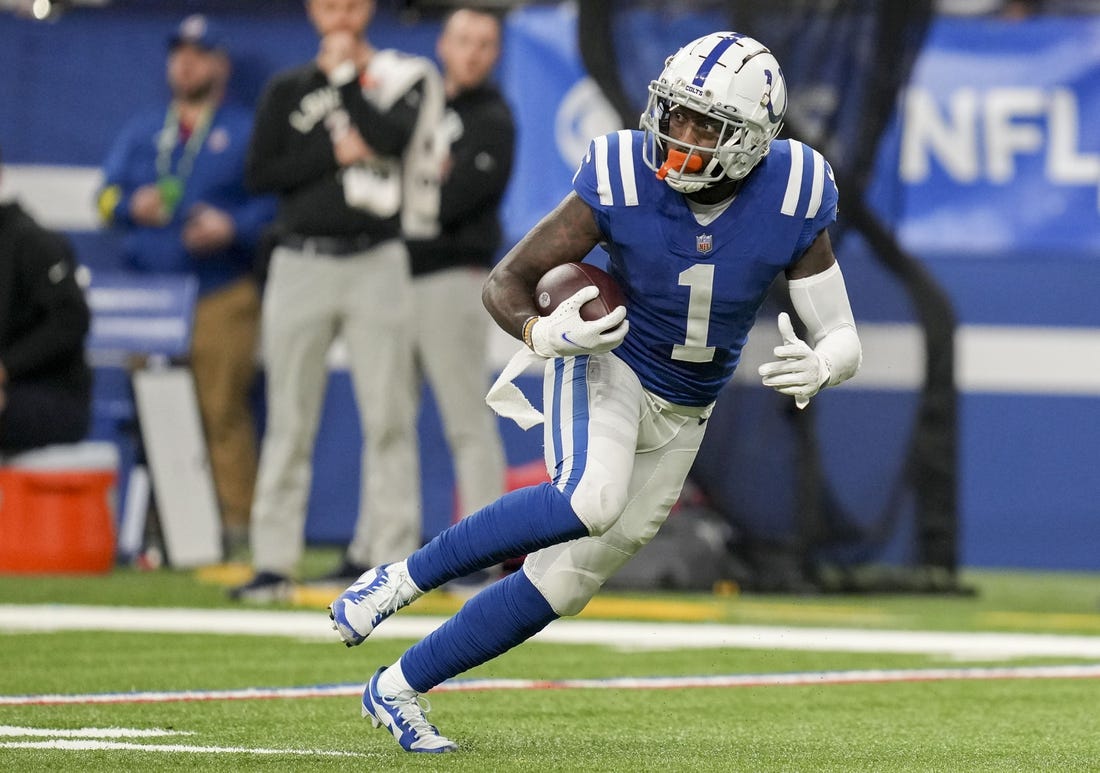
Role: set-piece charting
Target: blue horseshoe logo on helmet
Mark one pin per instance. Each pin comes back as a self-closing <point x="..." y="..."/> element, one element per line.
<point x="768" y="96"/>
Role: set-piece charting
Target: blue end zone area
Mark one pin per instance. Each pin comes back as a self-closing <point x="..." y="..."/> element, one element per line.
<point x="1029" y="494"/>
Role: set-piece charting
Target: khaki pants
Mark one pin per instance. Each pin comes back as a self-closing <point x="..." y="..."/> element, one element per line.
<point x="366" y="299"/>
<point x="223" y="360"/>
<point x="452" y="332"/>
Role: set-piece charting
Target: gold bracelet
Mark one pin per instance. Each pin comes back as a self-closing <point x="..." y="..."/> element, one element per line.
<point x="527" y="325"/>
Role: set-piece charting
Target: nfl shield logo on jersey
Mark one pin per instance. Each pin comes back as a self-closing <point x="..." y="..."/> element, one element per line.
<point x="704" y="243"/>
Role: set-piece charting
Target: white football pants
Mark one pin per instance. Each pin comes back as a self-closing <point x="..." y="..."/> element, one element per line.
<point x="622" y="455"/>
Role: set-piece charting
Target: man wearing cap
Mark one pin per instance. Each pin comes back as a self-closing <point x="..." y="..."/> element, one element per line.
<point x="348" y="141"/>
<point x="174" y="189"/>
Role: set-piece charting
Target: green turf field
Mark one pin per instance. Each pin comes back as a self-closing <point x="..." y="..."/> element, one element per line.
<point x="1047" y="724"/>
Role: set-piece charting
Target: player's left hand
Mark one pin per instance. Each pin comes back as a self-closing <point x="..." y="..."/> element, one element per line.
<point x="799" y="371"/>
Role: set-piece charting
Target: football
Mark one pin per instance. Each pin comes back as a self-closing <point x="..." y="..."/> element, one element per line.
<point x="562" y="282"/>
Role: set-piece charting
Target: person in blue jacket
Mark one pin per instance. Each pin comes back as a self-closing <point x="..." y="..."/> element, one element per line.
<point x="174" y="188"/>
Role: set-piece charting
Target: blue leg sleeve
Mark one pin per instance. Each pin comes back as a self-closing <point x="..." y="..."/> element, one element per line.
<point x="498" y="618"/>
<point x="518" y="523"/>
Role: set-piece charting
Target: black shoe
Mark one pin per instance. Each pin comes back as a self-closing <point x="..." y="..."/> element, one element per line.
<point x="263" y="588"/>
<point x="345" y="574"/>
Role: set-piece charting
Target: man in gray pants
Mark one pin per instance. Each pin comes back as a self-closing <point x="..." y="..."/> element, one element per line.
<point x="449" y="271"/>
<point x="347" y="142"/>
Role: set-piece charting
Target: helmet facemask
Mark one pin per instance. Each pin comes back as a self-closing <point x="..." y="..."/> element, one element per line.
<point x="750" y="116"/>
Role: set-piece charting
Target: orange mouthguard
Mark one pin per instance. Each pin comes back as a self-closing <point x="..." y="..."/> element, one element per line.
<point x="675" y="160"/>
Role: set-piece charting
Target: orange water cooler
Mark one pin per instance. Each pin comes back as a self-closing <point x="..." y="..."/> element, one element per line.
<point x="57" y="510"/>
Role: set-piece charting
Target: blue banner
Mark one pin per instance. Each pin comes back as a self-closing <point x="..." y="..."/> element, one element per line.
<point x="558" y="110"/>
<point x="997" y="151"/>
<point x="140" y="314"/>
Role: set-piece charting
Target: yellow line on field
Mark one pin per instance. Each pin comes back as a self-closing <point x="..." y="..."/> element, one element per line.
<point x="224" y="574"/>
<point x="797" y="611"/>
<point x="314" y="596"/>
<point x="1060" y="621"/>
<point x="662" y="609"/>
<point x="723" y="607"/>
<point x="654" y="609"/>
<point x="442" y="603"/>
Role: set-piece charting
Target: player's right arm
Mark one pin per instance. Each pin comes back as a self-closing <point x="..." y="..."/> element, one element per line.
<point x="565" y="235"/>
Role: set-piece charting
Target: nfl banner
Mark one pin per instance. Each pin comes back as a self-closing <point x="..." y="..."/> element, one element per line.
<point x="1005" y="161"/>
<point x="558" y="108"/>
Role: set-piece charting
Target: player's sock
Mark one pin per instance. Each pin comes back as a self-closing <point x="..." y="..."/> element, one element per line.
<point x="518" y="523"/>
<point x="498" y="618"/>
<point x="393" y="681"/>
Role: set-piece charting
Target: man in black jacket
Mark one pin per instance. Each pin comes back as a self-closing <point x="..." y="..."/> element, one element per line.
<point x="452" y="326"/>
<point x="45" y="383"/>
<point x="347" y="142"/>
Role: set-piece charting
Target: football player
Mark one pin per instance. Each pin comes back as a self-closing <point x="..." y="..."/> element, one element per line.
<point x="699" y="211"/>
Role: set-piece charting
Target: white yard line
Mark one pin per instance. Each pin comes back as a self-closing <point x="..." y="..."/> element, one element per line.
<point x="796" y="679"/>
<point x="82" y="746"/>
<point x="622" y="635"/>
<point x="14" y="731"/>
<point x="649" y="635"/>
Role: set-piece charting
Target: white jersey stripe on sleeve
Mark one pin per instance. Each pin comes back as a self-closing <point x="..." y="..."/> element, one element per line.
<point x="626" y="167"/>
<point x="818" y="185"/>
<point x="794" y="182"/>
<point x="603" y="177"/>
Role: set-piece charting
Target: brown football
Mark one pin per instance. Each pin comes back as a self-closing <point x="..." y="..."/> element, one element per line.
<point x="562" y="282"/>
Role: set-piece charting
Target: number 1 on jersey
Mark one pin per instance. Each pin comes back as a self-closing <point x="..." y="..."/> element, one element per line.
<point x="699" y="279"/>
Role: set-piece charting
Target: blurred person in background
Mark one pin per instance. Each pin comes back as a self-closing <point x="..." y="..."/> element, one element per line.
<point x="451" y="326"/>
<point x="45" y="382"/>
<point x="347" y="141"/>
<point x="174" y="188"/>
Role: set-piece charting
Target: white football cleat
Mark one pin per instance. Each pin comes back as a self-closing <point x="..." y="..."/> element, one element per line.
<point x="376" y="595"/>
<point x="404" y="716"/>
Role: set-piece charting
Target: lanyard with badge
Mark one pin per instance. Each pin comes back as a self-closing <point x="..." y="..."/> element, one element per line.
<point x="171" y="184"/>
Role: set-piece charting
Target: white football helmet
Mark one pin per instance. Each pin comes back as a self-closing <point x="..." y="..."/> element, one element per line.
<point x="730" y="78"/>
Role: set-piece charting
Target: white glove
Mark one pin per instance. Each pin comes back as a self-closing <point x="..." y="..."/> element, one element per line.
<point x="800" y="371"/>
<point x="564" y="333"/>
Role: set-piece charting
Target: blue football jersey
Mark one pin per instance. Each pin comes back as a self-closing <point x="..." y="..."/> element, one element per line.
<point x="693" y="291"/>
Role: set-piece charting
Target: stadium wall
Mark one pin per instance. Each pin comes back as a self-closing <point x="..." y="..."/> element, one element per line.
<point x="989" y="175"/>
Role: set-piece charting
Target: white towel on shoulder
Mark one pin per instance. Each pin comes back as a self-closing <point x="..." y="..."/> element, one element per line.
<point x="390" y="75"/>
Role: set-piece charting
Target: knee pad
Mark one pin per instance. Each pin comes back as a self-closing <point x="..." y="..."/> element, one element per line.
<point x="598" y="501"/>
<point x="567" y="592"/>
